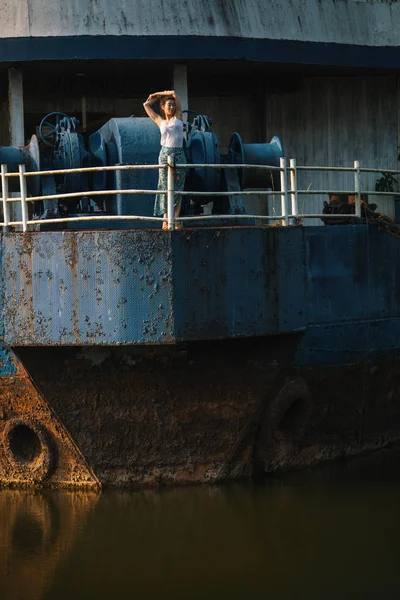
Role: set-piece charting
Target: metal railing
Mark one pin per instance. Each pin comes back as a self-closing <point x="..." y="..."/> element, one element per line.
<point x="289" y="215"/>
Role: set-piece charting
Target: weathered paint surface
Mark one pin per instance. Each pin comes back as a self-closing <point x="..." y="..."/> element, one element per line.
<point x="7" y="363"/>
<point x="157" y="287"/>
<point x="88" y="288"/>
<point x="353" y="290"/>
<point x="311" y="32"/>
<point x="200" y="411"/>
<point x="327" y="21"/>
<point x="130" y="287"/>
<point x="238" y="282"/>
<point x="353" y="274"/>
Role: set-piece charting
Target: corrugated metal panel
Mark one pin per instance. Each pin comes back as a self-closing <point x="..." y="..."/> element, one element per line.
<point x="332" y="122"/>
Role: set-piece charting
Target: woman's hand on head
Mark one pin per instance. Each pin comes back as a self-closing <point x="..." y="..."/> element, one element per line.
<point x="152" y="98"/>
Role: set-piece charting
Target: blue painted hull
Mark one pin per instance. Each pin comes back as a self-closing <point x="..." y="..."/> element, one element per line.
<point x="338" y="285"/>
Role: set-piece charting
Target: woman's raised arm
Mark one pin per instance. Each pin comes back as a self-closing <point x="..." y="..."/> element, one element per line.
<point x="148" y="108"/>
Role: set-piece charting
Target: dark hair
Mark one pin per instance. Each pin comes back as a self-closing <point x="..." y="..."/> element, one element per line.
<point x="162" y="102"/>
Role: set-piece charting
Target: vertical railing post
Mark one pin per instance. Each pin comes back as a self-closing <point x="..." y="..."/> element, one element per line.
<point x="357" y="187"/>
<point x="4" y="187"/>
<point x="170" y="192"/>
<point x="284" y="194"/>
<point x="24" y="206"/>
<point x="293" y="189"/>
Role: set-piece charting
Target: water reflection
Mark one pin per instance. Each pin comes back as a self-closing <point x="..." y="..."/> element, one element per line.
<point x="329" y="534"/>
<point x="37" y="532"/>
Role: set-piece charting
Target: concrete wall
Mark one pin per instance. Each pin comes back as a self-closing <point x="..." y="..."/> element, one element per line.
<point x="4" y="135"/>
<point x="232" y="113"/>
<point x="4" y="113"/>
<point x="371" y="23"/>
<point x="333" y="122"/>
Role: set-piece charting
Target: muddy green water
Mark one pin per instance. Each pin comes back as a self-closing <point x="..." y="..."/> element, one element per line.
<point x="332" y="533"/>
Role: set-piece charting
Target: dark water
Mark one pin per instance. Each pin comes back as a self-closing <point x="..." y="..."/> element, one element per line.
<point x="333" y="533"/>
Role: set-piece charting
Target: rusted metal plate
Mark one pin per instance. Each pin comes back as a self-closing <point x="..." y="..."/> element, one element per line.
<point x="87" y="288"/>
<point x="151" y="286"/>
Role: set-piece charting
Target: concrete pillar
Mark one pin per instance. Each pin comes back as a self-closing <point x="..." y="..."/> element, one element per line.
<point x="398" y="119"/>
<point x="3" y="120"/>
<point x="16" y="107"/>
<point x="181" y="86"/>
<point x="16" y="133"/>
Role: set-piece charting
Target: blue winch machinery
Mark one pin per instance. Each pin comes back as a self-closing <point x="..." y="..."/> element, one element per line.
<point x="135" y="141"/>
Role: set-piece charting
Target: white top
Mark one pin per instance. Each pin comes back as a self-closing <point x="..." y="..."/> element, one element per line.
<point x="172" y="133"/>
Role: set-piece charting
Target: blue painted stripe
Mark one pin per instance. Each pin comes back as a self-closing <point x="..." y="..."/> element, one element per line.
<point x="197" y="47"/>
<point x="339" y="343"/>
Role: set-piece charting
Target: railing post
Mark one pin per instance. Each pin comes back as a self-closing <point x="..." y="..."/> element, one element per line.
<point x="24" y="206"/>
<point x="357" y="187"/>
<point x="293" y="188"/>
<point x="4" y="187"/>
<point x="170" y="192"/>
<point x="284" y="195"/>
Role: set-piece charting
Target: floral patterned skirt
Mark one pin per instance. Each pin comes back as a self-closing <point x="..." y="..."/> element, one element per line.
<point x="160" y="206"/>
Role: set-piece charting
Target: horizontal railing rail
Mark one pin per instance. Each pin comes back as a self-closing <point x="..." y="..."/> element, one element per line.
<point x="288" y="192"/>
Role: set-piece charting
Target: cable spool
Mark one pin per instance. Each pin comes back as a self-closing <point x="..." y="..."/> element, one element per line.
<point x="28" y="448"/>
<point x="201" y="148"/>
<point x="257" y="154"/>
<point x="13" y="156"/>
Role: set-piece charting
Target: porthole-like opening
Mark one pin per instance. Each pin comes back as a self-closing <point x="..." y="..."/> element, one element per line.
<point x="24" y="444"/>
<point x="294" y="418"/>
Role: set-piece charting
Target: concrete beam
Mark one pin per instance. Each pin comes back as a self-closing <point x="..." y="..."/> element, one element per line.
<point x="313" y="21"/>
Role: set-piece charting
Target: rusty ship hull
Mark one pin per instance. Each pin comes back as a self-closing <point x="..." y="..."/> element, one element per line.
<point x="121" y="367"/>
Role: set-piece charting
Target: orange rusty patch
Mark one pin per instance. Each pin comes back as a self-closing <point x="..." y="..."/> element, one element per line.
<point x="35" y="447"/>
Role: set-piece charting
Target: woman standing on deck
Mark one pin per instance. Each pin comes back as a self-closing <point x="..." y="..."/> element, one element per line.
<point x="171" y="127"/>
